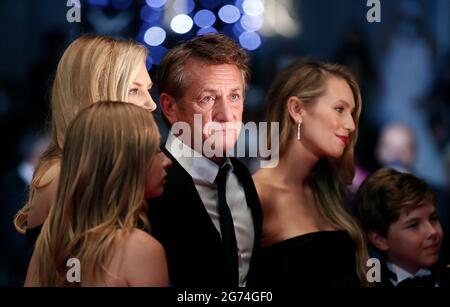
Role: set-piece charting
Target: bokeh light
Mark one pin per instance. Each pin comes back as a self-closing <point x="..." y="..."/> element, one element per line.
<point x="203" y="31"/>
<point x="229" y="13"/>
<point x="154" y="36"/>
<point x="250" y="40"/>
<point x="156" y="3"/>
<point x="204" y="18"/>
<point x="252" y="23"/>
<point x="183" y="6"/>
<point x="181" y="24"/>
<point x="253" y="7"/>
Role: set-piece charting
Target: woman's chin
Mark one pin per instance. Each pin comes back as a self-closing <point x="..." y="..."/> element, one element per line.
<point x="155" y="193"/>
<point x="335" y="154"/>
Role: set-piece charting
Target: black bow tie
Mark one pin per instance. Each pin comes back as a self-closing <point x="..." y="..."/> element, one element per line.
<point x="417" y="282"/>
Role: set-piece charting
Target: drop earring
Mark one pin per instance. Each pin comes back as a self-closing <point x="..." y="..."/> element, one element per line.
<point x="298" y="130"/>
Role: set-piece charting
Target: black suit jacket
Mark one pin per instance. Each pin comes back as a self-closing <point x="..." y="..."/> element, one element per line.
<point x="179" y="220"/>
<point x="440" y="275"/>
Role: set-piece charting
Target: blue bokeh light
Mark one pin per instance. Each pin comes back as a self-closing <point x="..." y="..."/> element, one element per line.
<point x="154" y="36"/>
<point x="250" y="40"/>
<point x="183" y="6"/>
<point x="203" y="31"/>
<point x="181" y="24"/>
<point x="229" y="13"/>
<point x="156" y="3"/>
<point x="204" y="18"/>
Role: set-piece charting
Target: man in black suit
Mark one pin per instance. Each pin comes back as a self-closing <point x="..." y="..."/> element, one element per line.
<point x="209" y="217"/>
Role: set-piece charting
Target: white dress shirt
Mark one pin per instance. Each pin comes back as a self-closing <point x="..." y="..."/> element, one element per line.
<point x="203" y="172"/>
<point x="403" y="274"/>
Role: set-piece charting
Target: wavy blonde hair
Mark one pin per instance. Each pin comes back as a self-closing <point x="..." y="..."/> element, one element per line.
<point x="306" y="79"/>
<point x="109" y="148"/>
<point x="92" y="68"/>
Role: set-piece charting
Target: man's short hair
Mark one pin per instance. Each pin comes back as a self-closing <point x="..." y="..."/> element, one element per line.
<point x="210" y="48"/>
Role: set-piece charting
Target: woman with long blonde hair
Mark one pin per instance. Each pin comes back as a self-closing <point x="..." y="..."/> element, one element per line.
<point x="309" y="236"/>
<point x="92" y="68"/>
<point x="110" y="164"/>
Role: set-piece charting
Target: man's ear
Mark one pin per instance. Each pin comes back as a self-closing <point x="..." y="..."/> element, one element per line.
<point x="169" y="107"/>
<point x="296" y="109"/>
<point x="379" y="241"/>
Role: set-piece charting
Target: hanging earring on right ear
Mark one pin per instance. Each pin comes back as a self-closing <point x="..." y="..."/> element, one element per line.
<point x="298" y="130"/>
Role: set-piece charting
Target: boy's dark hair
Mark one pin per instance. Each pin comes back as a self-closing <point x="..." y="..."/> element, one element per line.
<point x="385" y="193"/>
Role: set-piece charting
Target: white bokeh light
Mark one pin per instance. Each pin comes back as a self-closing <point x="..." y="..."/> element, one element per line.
<point x="181" y="24"/>
<point x="154" y="36"/>
<point x="253" y="7"/>
<point x="252" y="23"/>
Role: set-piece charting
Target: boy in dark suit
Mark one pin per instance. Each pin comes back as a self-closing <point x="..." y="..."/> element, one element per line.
<point x="398" y="212"/>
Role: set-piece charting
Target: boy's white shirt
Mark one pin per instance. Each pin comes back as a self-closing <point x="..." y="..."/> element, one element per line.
<point x="403" y="274"/>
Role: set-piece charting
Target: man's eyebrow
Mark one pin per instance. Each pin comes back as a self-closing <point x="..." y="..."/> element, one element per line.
<point x="210" y="89"/>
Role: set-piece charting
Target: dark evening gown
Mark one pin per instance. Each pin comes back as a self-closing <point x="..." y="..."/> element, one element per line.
<point x="318" y="259"/>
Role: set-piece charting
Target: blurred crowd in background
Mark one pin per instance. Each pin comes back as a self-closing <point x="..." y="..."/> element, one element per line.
<point x="402" y="63"/>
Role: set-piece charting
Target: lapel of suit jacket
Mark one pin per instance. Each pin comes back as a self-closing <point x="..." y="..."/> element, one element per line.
<point x="250" y="191"/>
<point x="182" y="183"/>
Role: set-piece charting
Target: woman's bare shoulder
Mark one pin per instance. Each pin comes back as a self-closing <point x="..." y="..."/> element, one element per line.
<point x="145" y="261"/>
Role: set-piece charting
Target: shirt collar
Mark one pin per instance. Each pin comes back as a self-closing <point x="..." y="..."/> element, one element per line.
<point x="403" y="274"/>
<point x="198" y="166"/>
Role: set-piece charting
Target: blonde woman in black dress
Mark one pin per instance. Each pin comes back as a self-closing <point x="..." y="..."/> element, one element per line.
<point x="309" y="236"/>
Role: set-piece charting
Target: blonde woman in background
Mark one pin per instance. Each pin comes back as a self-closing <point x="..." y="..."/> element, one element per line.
<point x="92" y="68"/>
<point x="110" y="164"/>
<point x="309" y="236"/>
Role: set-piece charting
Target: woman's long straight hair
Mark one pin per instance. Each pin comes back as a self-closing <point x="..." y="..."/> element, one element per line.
<point x="93" y="68"/>
<point x="108" y="149"/>
<point x="306" y="79"/>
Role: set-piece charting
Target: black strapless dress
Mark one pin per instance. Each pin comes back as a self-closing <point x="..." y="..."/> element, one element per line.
<point x="318" y="259"/>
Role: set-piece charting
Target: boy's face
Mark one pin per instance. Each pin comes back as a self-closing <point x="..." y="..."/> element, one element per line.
<point x="414" y="240"/>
